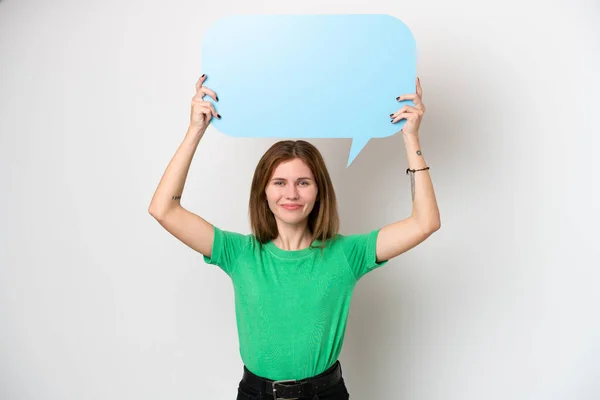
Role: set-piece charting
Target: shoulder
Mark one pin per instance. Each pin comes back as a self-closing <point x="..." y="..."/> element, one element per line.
<point x="360" y="251"/>
<point x="234" y="237"/>
<point x="229" y="245"/>
<point x="347" y="242"/>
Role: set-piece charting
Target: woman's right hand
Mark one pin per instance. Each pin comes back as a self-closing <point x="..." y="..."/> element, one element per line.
<point x="202" y="111"/>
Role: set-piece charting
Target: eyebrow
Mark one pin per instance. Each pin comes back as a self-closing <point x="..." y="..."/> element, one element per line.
<point x="283" y="179"/>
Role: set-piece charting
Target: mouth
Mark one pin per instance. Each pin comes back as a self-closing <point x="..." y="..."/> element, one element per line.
<point x="291" y="207"/>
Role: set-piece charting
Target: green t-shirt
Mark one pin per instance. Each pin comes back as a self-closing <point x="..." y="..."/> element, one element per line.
<point x="292" y="305"/>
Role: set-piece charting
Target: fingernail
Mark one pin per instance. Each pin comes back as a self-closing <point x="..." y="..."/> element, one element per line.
<point x="218" y="116"/>
<point x="217" y="97"/>
<point x="391" y="115"/>
<point x="398" y="98"/>
<point x="203" y="75"/>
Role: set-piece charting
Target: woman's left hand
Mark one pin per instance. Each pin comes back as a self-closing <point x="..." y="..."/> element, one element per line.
<point x="413" y="115"/>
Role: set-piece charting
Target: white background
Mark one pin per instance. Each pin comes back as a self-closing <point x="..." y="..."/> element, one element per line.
<point x="98" y="301"/>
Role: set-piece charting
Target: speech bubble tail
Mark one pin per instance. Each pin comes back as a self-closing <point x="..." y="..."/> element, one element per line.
<point x="358" y="144"/>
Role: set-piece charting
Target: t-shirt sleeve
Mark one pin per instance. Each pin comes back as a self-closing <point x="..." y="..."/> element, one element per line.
<point x="227" y="248"/>
<point x="360" y="251"/>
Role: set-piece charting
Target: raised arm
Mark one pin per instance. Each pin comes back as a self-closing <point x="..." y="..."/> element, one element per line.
<point x="398" y="237"/>
<point x="165" y="206"/>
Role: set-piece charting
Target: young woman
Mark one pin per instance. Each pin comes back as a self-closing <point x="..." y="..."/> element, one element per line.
<point x="293" y="277"/>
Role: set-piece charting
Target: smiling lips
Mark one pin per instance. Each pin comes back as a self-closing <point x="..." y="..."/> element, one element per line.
<point x="291" y="206"/>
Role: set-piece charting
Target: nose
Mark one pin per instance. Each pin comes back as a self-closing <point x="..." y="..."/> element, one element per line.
<point x="291" y="191"/>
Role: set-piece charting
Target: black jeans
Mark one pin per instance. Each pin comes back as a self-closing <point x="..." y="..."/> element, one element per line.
<point x="336" y="392"/>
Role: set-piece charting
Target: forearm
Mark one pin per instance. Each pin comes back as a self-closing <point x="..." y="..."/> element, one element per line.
<point x="425" y="209"/>
<point x="170" y="188"/>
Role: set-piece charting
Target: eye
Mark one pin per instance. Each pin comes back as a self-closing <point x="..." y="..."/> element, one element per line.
<point x="276" y="183"/>
<point x="305" y="183"/>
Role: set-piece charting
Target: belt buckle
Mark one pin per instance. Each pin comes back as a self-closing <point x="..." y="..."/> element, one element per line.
<point x="275" y="390"/>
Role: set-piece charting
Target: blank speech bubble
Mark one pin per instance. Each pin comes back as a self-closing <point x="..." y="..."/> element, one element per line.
<point x="309" y="76"/>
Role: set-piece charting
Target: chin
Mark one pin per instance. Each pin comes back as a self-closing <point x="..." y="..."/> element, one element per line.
<point x="291" y="221"/>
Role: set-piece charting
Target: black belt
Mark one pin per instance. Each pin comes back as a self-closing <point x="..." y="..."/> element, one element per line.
<point x="291" y="389"/>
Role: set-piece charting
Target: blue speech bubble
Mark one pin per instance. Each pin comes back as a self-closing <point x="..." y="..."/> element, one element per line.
<point x="309" y="76"/>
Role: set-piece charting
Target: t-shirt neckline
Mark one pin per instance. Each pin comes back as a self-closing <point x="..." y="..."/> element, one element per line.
<point x="290" y="254"/>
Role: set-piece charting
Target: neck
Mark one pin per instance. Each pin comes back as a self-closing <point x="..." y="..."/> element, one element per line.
<point x="293" y="238"/>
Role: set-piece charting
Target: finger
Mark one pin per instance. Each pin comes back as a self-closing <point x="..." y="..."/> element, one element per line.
<point x="412" y="96"/>
<point x="419" y="88"/>
<point x="205" y="111"/>
<point x="213" y="111"/>
<point x="200" y="81"/>
<point x="416" y="101"/>
<point x="209" y="105"/>
<point x="208" y="111"/>
<point x="206" y="107"/>
<point x="410" y="109"/>
<point x="204" y="90"/>
<point x="199" y="96"/>
<point x="401" y="116"/>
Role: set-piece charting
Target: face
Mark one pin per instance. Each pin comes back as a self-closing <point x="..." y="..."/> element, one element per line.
<point x="291" y="192"/>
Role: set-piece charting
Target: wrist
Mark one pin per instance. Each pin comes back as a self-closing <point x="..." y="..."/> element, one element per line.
<point x="410" y="136"/>
<point x="195" y="131"/>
